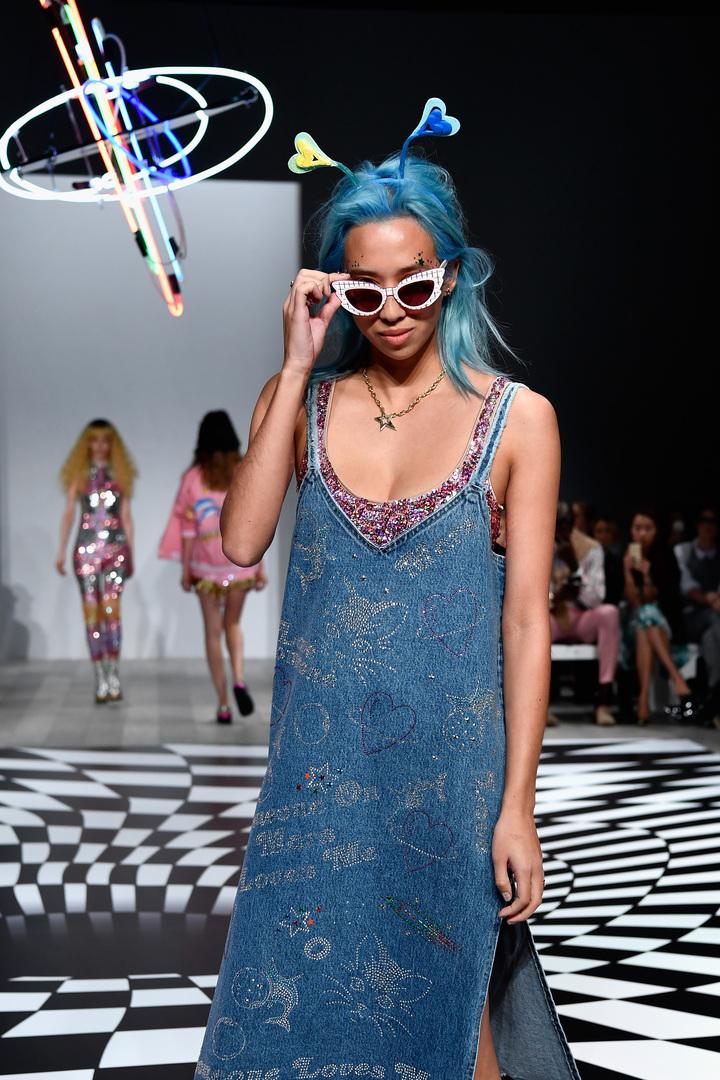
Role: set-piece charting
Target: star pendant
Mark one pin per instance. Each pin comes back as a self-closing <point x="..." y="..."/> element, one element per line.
<point x="385" y="421"/>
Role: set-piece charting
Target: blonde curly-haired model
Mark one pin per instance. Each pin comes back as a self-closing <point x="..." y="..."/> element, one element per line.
<point x="99" y="474"/>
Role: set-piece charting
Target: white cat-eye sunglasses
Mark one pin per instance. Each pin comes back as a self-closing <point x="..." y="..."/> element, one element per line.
<point x="413" y="293"/>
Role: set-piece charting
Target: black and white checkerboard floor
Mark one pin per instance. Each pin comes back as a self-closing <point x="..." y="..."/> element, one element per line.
<point x="118" y="871"/>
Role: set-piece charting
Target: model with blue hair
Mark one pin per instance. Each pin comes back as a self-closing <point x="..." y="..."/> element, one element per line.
<point x="466" y="335"/>
<point x="380" y="925"/>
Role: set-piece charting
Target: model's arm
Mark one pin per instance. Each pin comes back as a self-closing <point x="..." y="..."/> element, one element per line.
<point x="531" y="501"/>
<point x="66" y="522"/>
<point x="126" y="520"/>
<point x="254" y="500"/>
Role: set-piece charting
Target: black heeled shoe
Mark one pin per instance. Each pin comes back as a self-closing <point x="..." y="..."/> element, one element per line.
<point x="223" y="715"/>
<point x="244" y="702"/>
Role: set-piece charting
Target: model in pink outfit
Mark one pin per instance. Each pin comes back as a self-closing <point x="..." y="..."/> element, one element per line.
<point x="192" y="536"/>
<point x="195" y="517"/>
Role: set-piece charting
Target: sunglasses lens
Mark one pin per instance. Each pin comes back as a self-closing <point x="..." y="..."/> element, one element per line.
<point x="416" y="293"/>
<point x="365" y="300"/>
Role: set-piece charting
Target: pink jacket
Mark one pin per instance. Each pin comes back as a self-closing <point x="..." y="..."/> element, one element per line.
<point x="196" y="515"/>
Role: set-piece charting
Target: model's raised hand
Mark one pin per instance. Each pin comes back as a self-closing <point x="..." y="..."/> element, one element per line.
<point x="305" y="328"/>
<point x="254" y="500"/>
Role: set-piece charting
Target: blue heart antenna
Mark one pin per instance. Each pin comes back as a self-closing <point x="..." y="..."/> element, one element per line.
<point x="434" y="121"/>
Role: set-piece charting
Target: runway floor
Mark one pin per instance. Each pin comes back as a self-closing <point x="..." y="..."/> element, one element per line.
<point x="119" y="866"/>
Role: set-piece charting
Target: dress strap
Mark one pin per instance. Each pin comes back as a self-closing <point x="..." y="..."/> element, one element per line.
<point x="316" y="396"/>
<point x="496" y="426"/>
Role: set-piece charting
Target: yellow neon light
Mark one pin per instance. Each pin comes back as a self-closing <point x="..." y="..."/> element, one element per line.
<point x="129" y="173"/>
<point x="107" y="159"/>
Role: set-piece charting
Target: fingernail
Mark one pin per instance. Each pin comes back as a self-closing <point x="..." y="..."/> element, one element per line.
<point x="507" y="896"/>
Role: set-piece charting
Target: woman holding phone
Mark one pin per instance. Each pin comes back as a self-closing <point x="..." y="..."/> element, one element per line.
<point x="652" y="590"/>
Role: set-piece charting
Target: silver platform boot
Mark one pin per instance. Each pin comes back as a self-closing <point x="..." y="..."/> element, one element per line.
<point x="113" y="679"/>
<point x="102" y="689"/>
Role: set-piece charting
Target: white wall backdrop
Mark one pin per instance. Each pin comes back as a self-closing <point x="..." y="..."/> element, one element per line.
<point x="83" y="334"/>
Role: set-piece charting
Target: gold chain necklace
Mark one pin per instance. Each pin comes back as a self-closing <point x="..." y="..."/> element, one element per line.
<point x="385" y="419"/>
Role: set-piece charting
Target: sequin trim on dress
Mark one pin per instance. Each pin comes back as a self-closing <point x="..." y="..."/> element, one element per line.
<point x="302" y="471"/>
<point x="383" y="522"/>
<point x="497" y="513"/>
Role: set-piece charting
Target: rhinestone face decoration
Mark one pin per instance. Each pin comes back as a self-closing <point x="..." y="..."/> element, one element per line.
<point x="383" y="522"/>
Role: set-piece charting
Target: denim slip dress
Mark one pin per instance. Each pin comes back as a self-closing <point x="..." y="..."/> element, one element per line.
<point x="365" y="934"/>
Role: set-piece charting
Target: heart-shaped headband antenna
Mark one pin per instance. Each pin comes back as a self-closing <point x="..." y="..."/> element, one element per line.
<point x="308" y="156"/>
<point x="434" y="121"/>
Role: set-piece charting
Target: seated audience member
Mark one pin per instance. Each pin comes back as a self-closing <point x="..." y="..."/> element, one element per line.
<point x="699" y="562"/>
<point x="578" y="611"/>
<point x="677" y="527"/>
<point x="652" y="591"/>
<point x="582" y="516"/>
<point x="607" y="535"/>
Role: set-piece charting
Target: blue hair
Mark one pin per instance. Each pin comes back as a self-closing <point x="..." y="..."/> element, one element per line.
<point x="466" y="334"/>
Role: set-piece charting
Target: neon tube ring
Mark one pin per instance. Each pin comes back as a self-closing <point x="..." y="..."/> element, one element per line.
<point x="12" y="181"/>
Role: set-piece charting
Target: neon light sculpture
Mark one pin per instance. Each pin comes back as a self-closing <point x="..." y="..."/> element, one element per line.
<point x="126" y="136"/>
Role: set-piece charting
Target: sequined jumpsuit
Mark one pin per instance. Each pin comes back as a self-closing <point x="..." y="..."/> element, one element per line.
<point x="101" y="559"/>
<point x="365" y="932"/>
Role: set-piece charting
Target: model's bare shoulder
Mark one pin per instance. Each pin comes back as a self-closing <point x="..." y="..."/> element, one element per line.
<point x="529" y="407"/>
<point x="531" y="418"/>
<point x="531" y="434"/>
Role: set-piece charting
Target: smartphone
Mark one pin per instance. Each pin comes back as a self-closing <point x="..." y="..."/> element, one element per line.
<point x="635" y="553"/>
